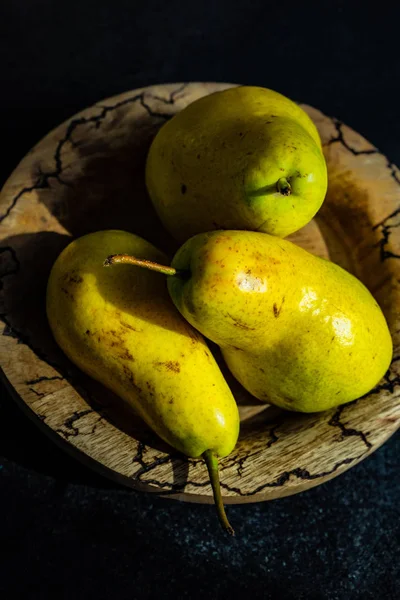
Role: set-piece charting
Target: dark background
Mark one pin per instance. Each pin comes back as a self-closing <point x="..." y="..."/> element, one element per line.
<point x="66" y="532"/>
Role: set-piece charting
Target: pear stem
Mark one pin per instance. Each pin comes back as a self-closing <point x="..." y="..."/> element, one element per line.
<point x="283" y="186"/>
<point x="212" y="466"/>
<point x="139" y="262"/>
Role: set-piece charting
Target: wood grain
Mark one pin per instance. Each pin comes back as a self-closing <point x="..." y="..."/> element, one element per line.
<point x="88" y="174"/>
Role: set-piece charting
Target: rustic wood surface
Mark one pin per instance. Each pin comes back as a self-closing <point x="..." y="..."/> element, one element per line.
<point x="88" y="174"/>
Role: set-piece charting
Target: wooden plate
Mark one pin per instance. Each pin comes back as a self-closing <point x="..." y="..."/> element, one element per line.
<point x="88" y="174"/>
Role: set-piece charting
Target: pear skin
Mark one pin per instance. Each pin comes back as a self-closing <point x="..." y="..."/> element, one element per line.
<point x="244" y="158"/>
<point x="296" y="330"/>
<point x="120" y="327"/>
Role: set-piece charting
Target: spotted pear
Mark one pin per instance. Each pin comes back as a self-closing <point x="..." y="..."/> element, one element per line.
<point x="120" y="327"/>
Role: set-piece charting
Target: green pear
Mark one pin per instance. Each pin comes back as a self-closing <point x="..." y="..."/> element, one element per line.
<point x="296" y="330"/>
<point x="244" y="158"/>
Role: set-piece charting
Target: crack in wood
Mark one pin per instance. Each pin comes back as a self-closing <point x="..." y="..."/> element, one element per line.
<point x="341" y="139"/>
<point x="148" y="467"/>
<point x="141" y="447"/>
<point x="335" y="421"/>
<point x="154" y="113"/>
<point x="386" y="231"/>
<point x="239" y="463"/>
<point x="389" y="385"/>
<point x="172" y="97"/>
<point x="39" y="394"/>
<point x="393" y="172"/>
<point x="43" y="378"/>
<point x="273" y="436"/>
<point x="70" y="424"/>
<point x="42" y="181"/>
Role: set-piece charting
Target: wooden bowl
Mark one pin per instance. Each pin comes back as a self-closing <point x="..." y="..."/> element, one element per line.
<point x="88" y="174"/>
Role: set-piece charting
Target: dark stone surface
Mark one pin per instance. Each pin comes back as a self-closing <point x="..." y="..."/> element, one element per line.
<point x="67" y="533"/>
<point x="75" y="534"/>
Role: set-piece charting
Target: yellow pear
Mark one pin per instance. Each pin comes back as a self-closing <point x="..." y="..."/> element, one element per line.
<point x="120" y="327"/>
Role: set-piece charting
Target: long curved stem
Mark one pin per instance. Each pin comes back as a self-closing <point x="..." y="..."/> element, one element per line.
<point x="212" y="466"/>
<point x="139" y="262"/>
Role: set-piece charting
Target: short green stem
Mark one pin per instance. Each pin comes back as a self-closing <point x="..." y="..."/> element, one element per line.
<point x="126" y="259"/>
<point x="283" y="186"/>
<point x="212" y="466"/>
